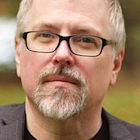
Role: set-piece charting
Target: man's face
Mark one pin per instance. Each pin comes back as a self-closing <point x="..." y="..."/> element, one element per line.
<point x="66" y="18"/>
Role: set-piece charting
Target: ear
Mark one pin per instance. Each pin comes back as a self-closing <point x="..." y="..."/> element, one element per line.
<point x="17" y="55"/>
<point x="117" y="64"/>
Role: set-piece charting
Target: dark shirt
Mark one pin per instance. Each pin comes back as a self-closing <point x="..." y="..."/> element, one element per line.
<point x="103" y="133"/>
<point x="28" y="136"/>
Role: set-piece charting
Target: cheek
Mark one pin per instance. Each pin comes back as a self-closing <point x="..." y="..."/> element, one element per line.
<point x="29" y="72"/>
<point x="98" y="73"/>
<point x="31" y="65"/>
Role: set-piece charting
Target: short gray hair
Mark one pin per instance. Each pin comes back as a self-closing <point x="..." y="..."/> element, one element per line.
<point x="116" y="27"/>
<point x="117" y="24"/>
<point x="22" y="16"/>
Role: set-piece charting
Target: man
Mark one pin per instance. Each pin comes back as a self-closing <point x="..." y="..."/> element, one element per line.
<point x="68" y="52"/>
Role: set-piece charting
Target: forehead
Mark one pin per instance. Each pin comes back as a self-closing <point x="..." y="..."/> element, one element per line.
<point x="68" y="12"/>
<point x="75" y="5"/>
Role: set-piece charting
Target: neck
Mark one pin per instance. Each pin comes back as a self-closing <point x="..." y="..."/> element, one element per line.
<point x="81" y="127"/>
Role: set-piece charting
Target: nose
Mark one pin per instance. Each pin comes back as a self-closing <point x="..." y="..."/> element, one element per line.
<point x="63" y="56"/>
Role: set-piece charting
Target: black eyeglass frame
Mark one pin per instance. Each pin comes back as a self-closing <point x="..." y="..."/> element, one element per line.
<point x="67" y="38"/>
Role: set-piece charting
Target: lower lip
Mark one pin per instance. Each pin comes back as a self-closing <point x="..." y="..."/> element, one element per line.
<point x="60" y="84"/>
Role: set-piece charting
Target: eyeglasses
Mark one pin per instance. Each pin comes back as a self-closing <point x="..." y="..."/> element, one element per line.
<point x="48" y="42"/>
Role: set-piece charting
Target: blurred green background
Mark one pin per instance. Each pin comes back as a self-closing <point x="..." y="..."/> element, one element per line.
<point x="123" y="99"/>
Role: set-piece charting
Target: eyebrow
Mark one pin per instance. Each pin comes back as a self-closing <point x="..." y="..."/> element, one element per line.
<point x="43" y="26"/>
<point x="78" y="29"/>
<point x="87" y="30"/>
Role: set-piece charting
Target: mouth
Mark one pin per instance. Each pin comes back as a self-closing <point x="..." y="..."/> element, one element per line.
<point x="60" y="81"/>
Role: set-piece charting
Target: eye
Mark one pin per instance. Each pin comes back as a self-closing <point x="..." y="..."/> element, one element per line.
<point x="44" y="35"/>
<point x="87" y="40"/>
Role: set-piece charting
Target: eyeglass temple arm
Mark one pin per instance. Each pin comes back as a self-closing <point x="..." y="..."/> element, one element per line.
<point x="110" y="42"/>
<point x="23" y="35"/>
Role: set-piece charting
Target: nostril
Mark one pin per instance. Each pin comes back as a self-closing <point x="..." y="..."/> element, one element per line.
<point x="68" y="62"/>
<point x="56" y="61"/>
<point x="62" y="62"/>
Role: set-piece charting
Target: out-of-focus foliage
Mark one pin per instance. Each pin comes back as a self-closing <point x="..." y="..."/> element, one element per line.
<point x="10" y="7"/>
<point x="13" y="7"/>
<point x="131" y="10"/>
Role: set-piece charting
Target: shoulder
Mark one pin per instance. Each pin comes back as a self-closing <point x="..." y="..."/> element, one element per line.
<point x="13" y="107"/>
<point x="135" y="130"/>
<point x="119" y="128"/>
<point x="11" y="112"/>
